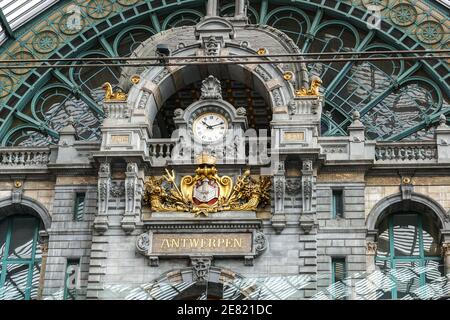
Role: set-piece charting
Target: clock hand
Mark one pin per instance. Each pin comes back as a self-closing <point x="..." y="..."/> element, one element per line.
<point x="215" y="125"/>
<point x="208" y="126"/>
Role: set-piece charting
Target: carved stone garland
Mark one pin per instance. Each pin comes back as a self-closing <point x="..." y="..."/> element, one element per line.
<point x="104" y="183"/>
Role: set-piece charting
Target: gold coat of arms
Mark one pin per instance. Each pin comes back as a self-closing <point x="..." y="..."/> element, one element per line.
<point x="206" y="192"/>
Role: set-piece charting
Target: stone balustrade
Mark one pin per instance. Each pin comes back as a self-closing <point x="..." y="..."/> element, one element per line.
<point x="406" y="152"/>
<point x="116" y="110"/>
<point x="24" y="157"/>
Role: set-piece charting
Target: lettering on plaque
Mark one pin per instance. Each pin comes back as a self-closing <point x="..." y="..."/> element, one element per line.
<point x="184" y="243"/>
<point x="294" y="136"/>
<point x="120" y="139"/>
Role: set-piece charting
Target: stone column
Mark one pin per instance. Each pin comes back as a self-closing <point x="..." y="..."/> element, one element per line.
<point x="43" y="243"/>
<point x="279" y="187"/>
<point x="211" y="8"/>
<point x="239" y="10"/>
<point x="308" y="236"/>
<point x="446" y="255"/>
<point x="442" y="135"/>
<point x="134" y="184"/>
<point x="357" y="137"/>
<point x="104" y="183"/>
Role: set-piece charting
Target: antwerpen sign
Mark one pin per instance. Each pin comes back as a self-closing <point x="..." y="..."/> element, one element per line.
<point x="172" y="244"/>
<point x="191" y="243"/>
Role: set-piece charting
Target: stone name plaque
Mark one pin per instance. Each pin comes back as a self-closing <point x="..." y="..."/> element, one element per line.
<point x="116" y="139"/>
<point x="199" y="243"/>
<point x="294" y="136"/>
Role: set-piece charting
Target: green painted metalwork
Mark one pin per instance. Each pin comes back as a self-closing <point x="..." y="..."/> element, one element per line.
<point x="412" y="243"/>
<point x="78" y="210"/>
<point x="19" y="261"/>
<point x="106" y="27"/>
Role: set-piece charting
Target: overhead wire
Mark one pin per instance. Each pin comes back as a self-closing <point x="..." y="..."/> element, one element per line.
<point x="213" y="60"/>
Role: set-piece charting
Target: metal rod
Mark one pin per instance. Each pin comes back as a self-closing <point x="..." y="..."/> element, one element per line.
<point x="241" y="56"/>
<point x="46" y="66"/>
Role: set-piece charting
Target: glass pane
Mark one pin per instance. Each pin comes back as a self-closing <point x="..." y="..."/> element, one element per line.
<point x="383" y="239"/>
<point x="430" y="234"/>
<point x="380" y="282"/>
<point x="21" y="244"/>
<point x="79" y="207"/>
<point x="15" y="282"/>
<point x="406" y="235"/>
<point x="35" y="281"/>
<point x="407" y="276"/>
<point x="3" y="233"/>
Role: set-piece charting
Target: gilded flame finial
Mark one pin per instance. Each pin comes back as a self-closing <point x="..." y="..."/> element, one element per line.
<point x="312" y="91"/>
<point x="113" y="96"/>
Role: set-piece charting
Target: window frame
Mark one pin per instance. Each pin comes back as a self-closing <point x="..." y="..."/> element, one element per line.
<point x="77" y="195"/>
<point x="391" y="259"/>
<point x="30" y="262"/>
<point x="334" y="214"/>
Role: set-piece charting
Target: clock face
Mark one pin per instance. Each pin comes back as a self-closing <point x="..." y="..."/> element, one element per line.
<point x="210" y="127"/>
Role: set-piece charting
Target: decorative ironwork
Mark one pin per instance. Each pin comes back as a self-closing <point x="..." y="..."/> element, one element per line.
<point x="371" y="88"/>
<point x="403" y="14"/>
<point x="45" y="41"/>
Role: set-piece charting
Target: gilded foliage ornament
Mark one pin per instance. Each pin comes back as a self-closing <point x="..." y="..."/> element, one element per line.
<point x="206" y="192"/>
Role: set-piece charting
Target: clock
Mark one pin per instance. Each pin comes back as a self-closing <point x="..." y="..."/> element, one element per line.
<point x="210" y="127"/>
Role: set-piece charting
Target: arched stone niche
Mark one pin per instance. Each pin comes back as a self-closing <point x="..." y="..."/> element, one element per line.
<point x="25" y="205"/>
<point x="160" y="83"/>
<point x="418" y="203"/>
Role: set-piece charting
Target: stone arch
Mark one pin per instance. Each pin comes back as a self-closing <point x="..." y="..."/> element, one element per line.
<point x="179" y="283"/>
<point x="159" y="83"/>
<point x="27" y="205"/>
<point x="394" y="203"/>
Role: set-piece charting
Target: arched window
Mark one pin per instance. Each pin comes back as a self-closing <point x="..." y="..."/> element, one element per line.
<point x="409" y="247"/>
<point x="20" y="257"/>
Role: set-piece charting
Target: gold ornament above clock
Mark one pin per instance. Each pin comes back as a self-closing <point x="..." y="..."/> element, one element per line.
<point x="206" y="191"/>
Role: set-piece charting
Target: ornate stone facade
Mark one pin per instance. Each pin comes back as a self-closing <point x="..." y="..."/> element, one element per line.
<point x="295" y="200"/>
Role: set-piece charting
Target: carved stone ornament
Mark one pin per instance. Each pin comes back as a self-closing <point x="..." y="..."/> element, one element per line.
<point x="211" y="89"/>
<point x="406" y="188"/>
<point x="371" y="248"/>
<point x="293" y="186"/>
<point x="143" y="243"/>
<point x="446" y="249"/>
<point x="307" y="165"/>
<point x="212" y="46"/>
<point x="260" y="242"/>
<point x="206" y="192"/>
<point x="117" y="189"/>
<point x="200" y="268"/>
